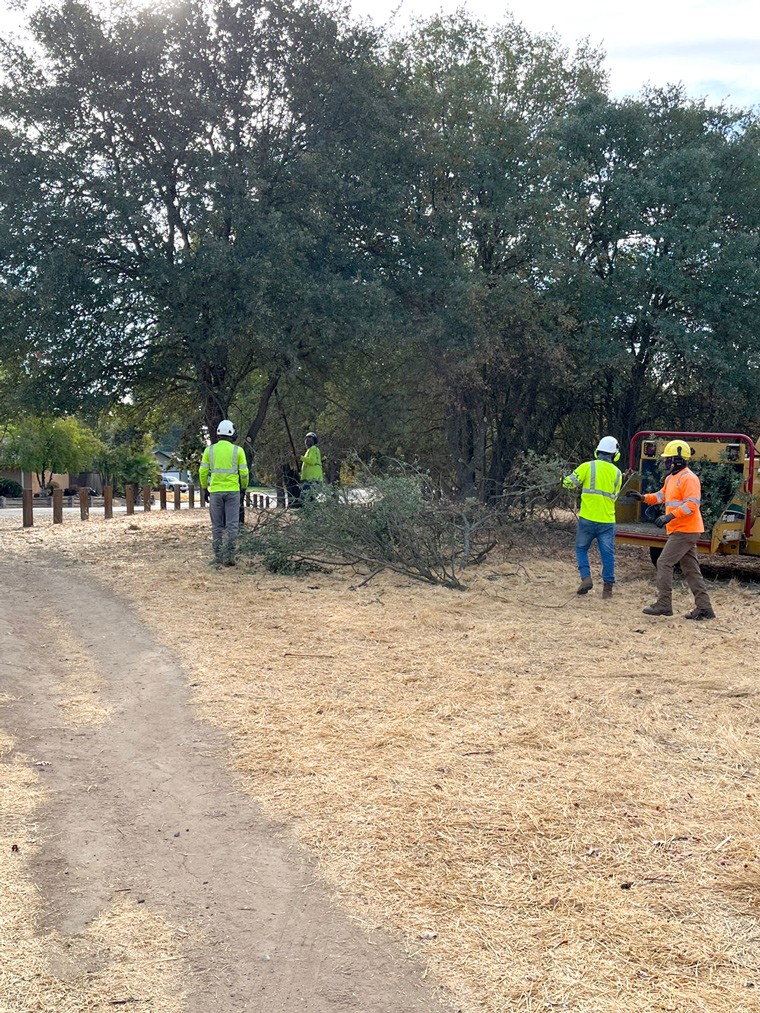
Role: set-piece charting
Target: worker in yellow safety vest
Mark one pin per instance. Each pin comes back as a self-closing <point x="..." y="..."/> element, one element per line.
<point x="311" y="464"/>
<point x="599" y="482"/>
<point x="224" y="472"/>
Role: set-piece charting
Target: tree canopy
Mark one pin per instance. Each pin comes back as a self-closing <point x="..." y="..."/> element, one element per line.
<point x="451" y="246"/>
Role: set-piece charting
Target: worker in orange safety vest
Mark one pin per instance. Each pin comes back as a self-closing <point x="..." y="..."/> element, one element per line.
<point x="681" y="495"/>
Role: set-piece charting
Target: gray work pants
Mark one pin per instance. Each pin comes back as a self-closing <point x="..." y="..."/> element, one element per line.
<point x="224" y="511"/>
<point x="681" y="548"/>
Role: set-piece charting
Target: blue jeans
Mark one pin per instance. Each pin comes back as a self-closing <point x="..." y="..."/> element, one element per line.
<point x="605" y="539"/>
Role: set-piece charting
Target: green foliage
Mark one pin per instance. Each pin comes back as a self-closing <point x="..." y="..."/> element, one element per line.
<point x="489" y="189"/>
<point x="721" y="485"/>
<point x="9" y="488"/>
<point x="44" y="444"/>
<point x="663" y="273"/>
<point x="194" y="196"/>
<point x="126" y="456"/>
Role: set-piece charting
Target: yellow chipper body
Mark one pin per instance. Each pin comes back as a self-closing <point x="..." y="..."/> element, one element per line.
<point x="736" y="532"/>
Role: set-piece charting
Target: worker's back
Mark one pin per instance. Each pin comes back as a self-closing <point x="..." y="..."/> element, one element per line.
<point x="225" y="465"/>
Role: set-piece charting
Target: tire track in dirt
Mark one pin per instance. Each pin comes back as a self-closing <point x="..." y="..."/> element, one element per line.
<point x="144" y="805"/>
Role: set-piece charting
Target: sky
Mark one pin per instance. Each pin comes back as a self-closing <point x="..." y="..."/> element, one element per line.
<point x="711" y="46"/>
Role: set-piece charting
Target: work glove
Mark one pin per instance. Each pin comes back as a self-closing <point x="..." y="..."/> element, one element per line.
<point x="664" y="519"/>
<point x="634" y="494"/>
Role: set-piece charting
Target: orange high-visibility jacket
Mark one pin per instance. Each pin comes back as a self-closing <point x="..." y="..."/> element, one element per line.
<point x="681" y="496"/>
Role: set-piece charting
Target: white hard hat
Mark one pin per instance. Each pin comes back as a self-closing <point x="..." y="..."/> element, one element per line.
<point x="609" y="445"/>
<point x="225" y="428"/>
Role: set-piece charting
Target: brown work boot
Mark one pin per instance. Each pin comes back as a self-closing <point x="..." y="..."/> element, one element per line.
<point x="658" y="610"/>
<point x="607" y="592"/>
<point x="700" y="614"/>
<point x="585" y="585"/>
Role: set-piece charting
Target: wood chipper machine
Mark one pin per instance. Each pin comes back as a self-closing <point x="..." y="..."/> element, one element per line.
<point x="730" y="528"/>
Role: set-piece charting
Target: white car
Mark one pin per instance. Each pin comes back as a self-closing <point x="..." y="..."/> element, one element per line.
<point x="171" y="483"/>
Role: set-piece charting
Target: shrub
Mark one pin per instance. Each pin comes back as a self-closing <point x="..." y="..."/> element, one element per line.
<point x="393" y="522"/>
<point x="721" y="484"/>
<point x="10" y="488"/>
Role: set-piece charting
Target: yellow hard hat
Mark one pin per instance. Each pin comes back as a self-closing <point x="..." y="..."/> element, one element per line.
<point x="677" y="448"/>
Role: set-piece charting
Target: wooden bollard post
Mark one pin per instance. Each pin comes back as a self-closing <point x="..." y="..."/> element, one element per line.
<point x="162" y="497"/>
<point x="191" y="497"/>
<point x="84" y="504"/>
<point x="108" y="502"/>
<point x="27" y="508"/>
<point x="129" y="495"/>
<point x="57" y="506"/>
<point x="146" y="498"/>
<point x="177" y="497"/>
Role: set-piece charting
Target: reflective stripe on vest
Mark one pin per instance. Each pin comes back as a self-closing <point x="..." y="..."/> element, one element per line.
<point x="592" y="489"/>
<point x="223" y="471"/>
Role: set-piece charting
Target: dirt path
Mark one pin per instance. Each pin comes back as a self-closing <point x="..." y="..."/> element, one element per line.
<point x="143" y="804"/>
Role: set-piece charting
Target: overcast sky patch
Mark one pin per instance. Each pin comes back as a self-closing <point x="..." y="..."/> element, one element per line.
<point x="733" y="51"/>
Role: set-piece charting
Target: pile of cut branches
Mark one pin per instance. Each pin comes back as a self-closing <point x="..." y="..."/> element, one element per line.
<point x="396" y="522"/>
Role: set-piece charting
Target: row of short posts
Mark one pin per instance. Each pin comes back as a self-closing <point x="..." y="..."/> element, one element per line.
<point x="259" y="501"/>
<point x="27" y="502"/>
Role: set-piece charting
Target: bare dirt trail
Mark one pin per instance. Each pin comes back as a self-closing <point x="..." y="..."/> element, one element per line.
<point x="143" y="804"/>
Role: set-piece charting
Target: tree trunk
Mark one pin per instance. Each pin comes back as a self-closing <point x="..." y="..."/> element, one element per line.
<point x="629" y="418"/>
<point x="466" y="438"/>
<point x="261" y="414"/>
<point x="212" y="414"/>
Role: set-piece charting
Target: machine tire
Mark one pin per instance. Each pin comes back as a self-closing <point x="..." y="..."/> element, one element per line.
<point x="654" y="554"/>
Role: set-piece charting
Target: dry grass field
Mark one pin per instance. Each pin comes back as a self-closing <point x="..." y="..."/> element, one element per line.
<point x="552" y="800"/>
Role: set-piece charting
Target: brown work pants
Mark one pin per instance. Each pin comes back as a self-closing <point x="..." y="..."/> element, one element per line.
<point x="681" y="548"/>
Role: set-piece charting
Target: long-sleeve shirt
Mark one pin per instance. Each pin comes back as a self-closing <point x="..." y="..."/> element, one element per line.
<point x="681" y="496"/>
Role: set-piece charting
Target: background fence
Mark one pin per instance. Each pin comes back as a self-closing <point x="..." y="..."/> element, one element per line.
<point x="134" y="498"/>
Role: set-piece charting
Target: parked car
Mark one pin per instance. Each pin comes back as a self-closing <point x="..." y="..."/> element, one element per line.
<point x="170" y="483"/>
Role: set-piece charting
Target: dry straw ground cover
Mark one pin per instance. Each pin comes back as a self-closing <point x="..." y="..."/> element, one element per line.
<point x="553" y="800"/>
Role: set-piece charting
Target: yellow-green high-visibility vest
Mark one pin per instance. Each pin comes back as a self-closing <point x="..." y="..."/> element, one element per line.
<point x="224" y="468"/>
<point x="599" y="482"/>
<point x="311" y="465"/>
